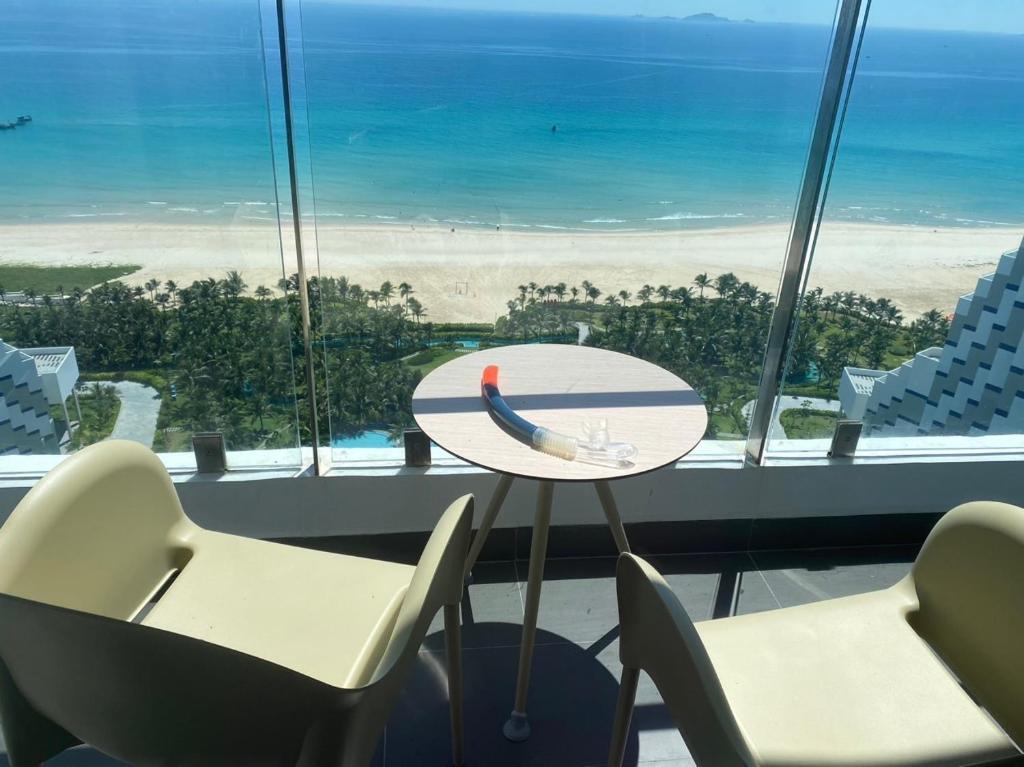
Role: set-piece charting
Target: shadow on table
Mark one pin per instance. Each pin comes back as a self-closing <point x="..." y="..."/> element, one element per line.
<point x="566" y="401"/>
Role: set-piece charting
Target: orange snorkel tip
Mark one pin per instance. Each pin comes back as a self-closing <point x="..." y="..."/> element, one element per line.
<point x="490" y="376"/>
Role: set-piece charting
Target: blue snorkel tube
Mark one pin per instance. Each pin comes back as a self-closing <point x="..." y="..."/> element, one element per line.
<point x="596" y="450"/>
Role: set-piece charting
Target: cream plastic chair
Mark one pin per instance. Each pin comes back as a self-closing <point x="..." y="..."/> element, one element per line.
<point x="254" y="653"/>
<point x="929" y="672"/>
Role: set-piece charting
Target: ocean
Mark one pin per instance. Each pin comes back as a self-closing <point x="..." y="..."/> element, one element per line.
<point x="158" y="111"/>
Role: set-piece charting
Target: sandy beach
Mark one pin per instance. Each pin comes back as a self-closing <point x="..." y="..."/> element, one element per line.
<point x="468" y="275"/>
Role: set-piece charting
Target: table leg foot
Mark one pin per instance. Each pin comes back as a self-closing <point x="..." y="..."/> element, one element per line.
<point x="517" y="728"/>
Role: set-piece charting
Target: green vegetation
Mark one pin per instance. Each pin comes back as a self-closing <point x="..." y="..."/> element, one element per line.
<point x="226" y="360"/>
<point x="713" y="334"/>
<point x="38" y="281"/>
<point x="429" y="359"/>
<point x="806" y="423"/>
<point x="100" y="406"/>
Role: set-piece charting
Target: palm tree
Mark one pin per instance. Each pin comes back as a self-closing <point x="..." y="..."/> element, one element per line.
<point x="725" y="284"/>
<point x="172" y="288"/>
<point x="702" y="281"/>
<point x="680" y="294"/>
<point x="233" y="285"/>
<point x="831" y="304"/>
<point x="849" y="300"/>
<point x="30" y="294"/>
<point x="611" y="300"/>
<point x="533" y="288"/>
<point x="386" y="291"/>
<point x="416" y="309"/>
<point x="262" y="292"/>
<point x="664" y="291"/>
<point x="625" y="295"/>
<point x="592" y="293"/>
<point x="405" y="290"/>
<point x="151" y="286"/>
<point x="559" y="291"/>
<point x="644" y="294"/>
<point x="574" y="291"/>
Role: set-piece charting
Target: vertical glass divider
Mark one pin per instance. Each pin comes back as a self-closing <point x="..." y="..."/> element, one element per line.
<point x="293" y="182"/>
<point x="801" y="239"/>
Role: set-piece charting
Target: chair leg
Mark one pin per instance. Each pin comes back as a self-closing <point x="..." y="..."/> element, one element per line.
<point x="453" y="644"/>
<point x="623" y="714"/>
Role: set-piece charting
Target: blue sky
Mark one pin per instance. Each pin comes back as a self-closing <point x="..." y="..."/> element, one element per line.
<point x="987" y="16"/>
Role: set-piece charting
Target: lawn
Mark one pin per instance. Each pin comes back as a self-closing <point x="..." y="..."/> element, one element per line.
<point x="439" y="357"/>
<point x="49" y="280"/>
<point x="808" y="424"/>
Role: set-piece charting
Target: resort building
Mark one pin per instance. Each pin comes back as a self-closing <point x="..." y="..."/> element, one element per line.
<point x="31" y="382"/>
<point x="973" y="385"/>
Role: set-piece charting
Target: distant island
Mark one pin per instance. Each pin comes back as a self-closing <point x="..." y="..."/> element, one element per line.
<point x="697" y="17"/>
<point x="703" y="17"/>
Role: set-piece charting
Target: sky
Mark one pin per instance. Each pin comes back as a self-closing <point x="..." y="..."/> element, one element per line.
<point x="988" y="16"/>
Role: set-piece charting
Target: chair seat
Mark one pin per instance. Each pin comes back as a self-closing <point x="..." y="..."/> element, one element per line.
<point x="321" y="614"/>
<point x="847" y="682"/>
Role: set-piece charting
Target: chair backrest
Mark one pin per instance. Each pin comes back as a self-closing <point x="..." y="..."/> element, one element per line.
<point x="96" y="534"/>
<point x="438" y="581"/>
<point x="657" y="635"/>
<point x="969" y="579"/>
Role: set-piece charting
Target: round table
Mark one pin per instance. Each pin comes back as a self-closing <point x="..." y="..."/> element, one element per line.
<point x="558" y="387"/>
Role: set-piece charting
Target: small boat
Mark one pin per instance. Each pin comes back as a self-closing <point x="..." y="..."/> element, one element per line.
<point x="7" y="126"/>
<point x="22" y="119"/>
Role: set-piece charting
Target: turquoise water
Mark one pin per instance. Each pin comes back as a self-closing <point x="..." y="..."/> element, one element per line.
<point x="365" y="440"/>
<point x="159" y="111"/>
<point x="465" y="343"/>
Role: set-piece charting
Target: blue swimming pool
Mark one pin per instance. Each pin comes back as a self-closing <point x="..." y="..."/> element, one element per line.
<point x="465" y="343"/>
<point x="371" y="438"/>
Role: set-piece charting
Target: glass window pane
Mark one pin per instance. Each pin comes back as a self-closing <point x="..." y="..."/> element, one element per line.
<point x="912" y="318"/>
<point x="141" y="249"/>
<point x="487" y="177"/>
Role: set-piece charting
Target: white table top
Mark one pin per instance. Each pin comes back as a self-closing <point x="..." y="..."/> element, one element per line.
<point x="559" y="387"/>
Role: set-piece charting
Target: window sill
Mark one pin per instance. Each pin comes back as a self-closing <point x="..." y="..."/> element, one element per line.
<point x="23" y="471"/>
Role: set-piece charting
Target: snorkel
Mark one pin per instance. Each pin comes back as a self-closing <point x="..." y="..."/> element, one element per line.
<point x="593" y="448"/>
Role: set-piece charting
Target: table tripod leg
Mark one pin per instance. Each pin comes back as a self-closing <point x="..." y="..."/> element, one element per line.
<point x="517" y="728"/>
<point x="497" y="499"/>
<point x="611" y="511"/>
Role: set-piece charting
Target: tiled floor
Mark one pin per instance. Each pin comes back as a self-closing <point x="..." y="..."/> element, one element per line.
<point x="575" y="675"/>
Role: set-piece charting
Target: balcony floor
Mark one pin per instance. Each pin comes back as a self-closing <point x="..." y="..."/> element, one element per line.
<point x="576" y="667"/>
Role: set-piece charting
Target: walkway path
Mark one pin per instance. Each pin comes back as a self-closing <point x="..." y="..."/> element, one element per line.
<point x="140" y="406"/>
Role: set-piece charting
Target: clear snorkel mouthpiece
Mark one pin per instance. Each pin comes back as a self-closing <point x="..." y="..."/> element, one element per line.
<point x="592" y="447"/>
<point x="595" y="446"/>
